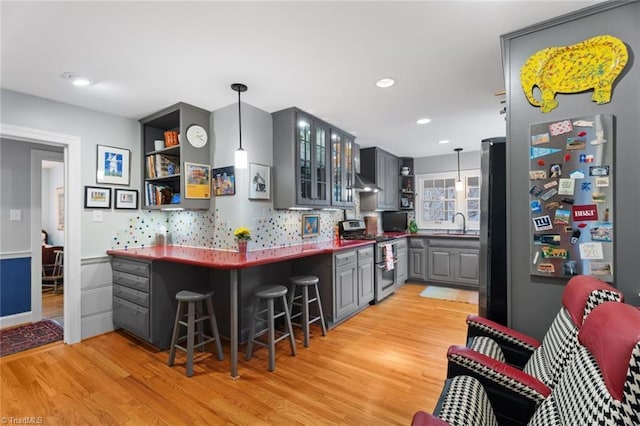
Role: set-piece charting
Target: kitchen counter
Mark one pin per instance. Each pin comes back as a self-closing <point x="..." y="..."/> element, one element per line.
<point x="167" y="266"/>
<point x="224" y="259"/>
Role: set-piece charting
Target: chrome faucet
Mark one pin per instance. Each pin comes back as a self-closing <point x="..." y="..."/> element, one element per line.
<point x="464" y="221"/>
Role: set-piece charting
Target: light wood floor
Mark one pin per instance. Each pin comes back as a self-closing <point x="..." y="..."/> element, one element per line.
<point x="53" y="306"/>
<point x="377" y="368"/>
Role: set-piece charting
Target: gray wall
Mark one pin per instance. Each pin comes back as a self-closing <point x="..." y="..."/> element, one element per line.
<point x="536" y="300"/>
<point x="257" y="140"/>
<point x="93" y="128"/>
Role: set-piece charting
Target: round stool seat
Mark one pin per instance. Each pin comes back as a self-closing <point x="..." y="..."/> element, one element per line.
<point x="304" y="280"/>
<point x="272" y="291"/>
<point x="191" y="296"/>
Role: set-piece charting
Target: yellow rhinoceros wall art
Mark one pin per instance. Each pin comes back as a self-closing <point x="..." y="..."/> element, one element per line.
<point x="591" y="64"/>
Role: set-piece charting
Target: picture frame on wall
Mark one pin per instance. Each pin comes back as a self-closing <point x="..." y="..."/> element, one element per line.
<point x="197" y="181"/>
<point x="259" y="182"/>
<point x="310" y="225"/>
<point x="224" y="181"/>
<point x="96" y="197"/>
<point x="126" y="199"/>
<point x="113" y="165"/>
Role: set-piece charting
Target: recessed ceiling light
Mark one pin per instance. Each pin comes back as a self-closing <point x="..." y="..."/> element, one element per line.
<point x="443" y="141"/>
<point x="423" y="120"/>
<point x="385" y="82"/>
<point x="75" y="79"/>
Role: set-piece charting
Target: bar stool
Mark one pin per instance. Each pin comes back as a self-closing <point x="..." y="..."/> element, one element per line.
<point x="304" y="282"/>
<point x="270" y="293"/>
<point x="193" y="302"/>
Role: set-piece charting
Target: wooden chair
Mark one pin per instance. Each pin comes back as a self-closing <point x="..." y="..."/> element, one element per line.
<point x="53" y="273"/>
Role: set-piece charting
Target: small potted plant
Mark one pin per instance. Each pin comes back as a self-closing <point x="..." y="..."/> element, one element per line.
<point x="243" y="235"/>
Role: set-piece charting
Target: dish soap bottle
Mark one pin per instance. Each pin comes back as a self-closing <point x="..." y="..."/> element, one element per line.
<point x="413" y="227"/>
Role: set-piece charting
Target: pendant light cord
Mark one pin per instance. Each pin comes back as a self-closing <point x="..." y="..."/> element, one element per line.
<point x="240" y="124"/>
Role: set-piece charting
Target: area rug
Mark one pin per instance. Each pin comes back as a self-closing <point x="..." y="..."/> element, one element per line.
<point x="23" y="337"/>
<point x="454" y="294"/>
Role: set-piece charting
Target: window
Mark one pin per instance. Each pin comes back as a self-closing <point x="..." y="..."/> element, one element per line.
<point x="438" y="200"/>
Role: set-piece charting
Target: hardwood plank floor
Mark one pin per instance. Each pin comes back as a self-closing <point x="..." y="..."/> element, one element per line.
<point x="377" y="368"/>
<point x="53" y="306"/>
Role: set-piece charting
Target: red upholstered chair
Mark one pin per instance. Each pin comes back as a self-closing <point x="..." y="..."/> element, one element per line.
<point x="600" y="385"/>
<point x="519" y="389"/>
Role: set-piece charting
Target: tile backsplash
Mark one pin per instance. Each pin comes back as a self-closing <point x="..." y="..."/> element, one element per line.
<point x="275" y="228"/>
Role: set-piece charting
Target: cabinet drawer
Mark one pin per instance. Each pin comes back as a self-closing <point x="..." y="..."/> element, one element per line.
<point x="401" y="243"/>
<point x="131" y="266"/>
<point x="347" y="257"/>
<point x="417" y="242"/>
<point x="135" y="296"/>
<point x="130" y="280"/>
<point x="365" y="253"/>
<point x="131" y="317"/>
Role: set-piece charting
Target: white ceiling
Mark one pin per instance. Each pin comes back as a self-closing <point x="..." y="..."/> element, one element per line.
<point x="323" y="57"/>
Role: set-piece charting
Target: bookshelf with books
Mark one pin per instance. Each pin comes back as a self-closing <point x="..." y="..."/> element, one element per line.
<point x="166" y="149"/>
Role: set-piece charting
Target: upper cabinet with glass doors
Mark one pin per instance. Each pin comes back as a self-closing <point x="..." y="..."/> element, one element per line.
<point x="301" y="151"/>
<point x="342" y="169"/>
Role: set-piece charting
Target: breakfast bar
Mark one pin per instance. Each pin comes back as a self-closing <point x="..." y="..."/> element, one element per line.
<point x="161" y="260"/>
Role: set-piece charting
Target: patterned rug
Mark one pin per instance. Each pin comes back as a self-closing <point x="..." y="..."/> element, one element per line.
<point x="23" y="337"/>
<point x="454" y="294"/>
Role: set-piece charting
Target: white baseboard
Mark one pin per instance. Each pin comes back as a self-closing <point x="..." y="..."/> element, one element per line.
<point x="16" y="319"/>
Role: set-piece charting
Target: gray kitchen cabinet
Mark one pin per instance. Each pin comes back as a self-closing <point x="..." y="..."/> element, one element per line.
<point x="454" y="262"/>
<point x="366" y="276"/>
<point x="131" y="296"/>
<point x="417" y="259"/>
<point x="342" y="168"/>
<point x="164" y="172"/>
<point x="402" y="267"/>
<point x="382" y="168"/>
<point x="346" y="283"/>
<point x="301" y="154"/>
<point x="144" y="296"/>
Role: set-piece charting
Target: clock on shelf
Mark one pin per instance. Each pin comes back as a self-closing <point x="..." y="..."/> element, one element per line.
<point x="197" y="136"/>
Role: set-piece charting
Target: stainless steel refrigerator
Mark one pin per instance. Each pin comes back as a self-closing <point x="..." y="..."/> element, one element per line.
<point x="493" y="231"/>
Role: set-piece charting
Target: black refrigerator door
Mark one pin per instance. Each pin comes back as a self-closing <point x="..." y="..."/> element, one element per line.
<point x="493" y="232"/>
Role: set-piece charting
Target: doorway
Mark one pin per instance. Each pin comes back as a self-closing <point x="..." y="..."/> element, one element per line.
<point x="72" y="222"/>
<point x="52" y="213"/>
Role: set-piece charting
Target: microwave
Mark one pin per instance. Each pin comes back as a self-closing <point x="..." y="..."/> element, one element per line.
<point x="394" y="221"/>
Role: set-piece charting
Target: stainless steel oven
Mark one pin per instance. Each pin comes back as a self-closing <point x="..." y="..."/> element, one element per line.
<point x="386" y="259"/>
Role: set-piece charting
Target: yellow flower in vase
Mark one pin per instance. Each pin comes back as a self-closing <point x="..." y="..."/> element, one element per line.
<point x="242" y="233"/>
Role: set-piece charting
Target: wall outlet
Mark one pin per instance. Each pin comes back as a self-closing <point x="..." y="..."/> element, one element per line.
<point x="97" y="216"/>
<point x="15" y="214"/>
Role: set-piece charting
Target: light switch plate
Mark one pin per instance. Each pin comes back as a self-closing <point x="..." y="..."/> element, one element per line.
<point x="97" y="216"/>
<point x="15" y="214"/>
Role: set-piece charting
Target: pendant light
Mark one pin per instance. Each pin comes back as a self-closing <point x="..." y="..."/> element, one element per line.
<point x="459" y="183"/>
<point x="240" y="159"/>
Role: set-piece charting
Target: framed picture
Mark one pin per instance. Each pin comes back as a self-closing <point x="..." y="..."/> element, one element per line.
<point x="96" y="197"/>
<point x="60" y="208"/>
<point x="113" y="165"/>
<point x="197" y="180"/>
<point x="259" y="182"/>
<point x="310" y="225"/>
<point x="126" y="199"/>
<point x="224" y="181"/>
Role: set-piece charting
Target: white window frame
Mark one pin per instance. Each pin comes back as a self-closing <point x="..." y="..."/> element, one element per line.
<point x="460" y="201"/>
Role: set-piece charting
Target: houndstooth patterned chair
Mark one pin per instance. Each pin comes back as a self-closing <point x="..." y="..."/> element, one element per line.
<point x="600" y="386"/>
<point x="518" y="393"/>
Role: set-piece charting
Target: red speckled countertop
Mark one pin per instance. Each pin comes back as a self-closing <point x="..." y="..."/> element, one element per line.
<point x="222" y="259"/>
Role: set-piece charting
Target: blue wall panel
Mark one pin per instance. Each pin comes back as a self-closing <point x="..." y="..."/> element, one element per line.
<point x="15" y="286"/>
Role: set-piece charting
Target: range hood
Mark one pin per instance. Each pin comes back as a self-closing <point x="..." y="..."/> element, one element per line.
<point x="363" y="184"/>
